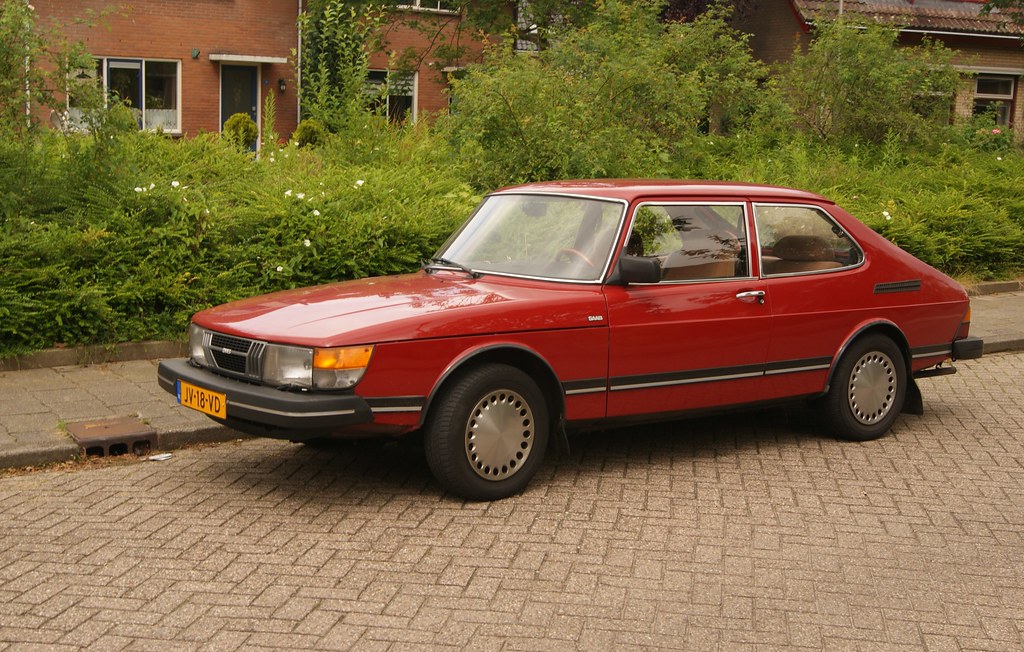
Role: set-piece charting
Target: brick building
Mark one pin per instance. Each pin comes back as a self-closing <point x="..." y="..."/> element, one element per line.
<point x="989" y="47"/>
<point x="186" y="66"/>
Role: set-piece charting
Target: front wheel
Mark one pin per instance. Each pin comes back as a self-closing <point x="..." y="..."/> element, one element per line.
<point x="487" y="433"/>
<point x="867" y="390"/>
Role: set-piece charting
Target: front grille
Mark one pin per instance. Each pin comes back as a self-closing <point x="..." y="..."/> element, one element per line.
<point x="235" y="355"/>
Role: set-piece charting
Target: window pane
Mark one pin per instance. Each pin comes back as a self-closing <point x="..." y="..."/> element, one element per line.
<point x="692" y="242"/>
<point x="161" y="95"/>
<point x="124" y="81"/>
<point x="798" y="239"/>
<point x="995" y="87"/>
<point x="1000" y="111"/>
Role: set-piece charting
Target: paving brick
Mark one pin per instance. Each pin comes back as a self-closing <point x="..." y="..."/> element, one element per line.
<point x="739" y="532"/>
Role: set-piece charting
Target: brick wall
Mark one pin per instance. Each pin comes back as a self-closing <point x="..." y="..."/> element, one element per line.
<point x="432" y="31"/>
<point x="173" y="29"/>
<point x="154" y="29"/>
<point x="775" y="31"/>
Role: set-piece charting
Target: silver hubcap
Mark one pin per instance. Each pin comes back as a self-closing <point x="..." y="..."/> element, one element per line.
<point x="499" y="435"/>
<point x="872" y="387"/>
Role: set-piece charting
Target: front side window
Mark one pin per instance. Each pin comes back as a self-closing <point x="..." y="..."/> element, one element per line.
<point x="802" y="239"/>
<point x="994" y="95"/>
<point x="692" y="241"/>
<point x="540" y="236"/>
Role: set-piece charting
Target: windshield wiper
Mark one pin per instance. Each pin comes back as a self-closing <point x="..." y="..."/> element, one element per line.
<point x="444" y="263"/>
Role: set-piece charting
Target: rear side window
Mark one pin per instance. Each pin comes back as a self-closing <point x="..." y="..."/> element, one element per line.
<point x="802" y="239"/>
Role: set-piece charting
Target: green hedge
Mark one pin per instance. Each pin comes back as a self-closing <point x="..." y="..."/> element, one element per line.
<point x="125" y="244"/>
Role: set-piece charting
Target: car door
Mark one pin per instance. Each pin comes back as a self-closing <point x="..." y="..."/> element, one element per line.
<point x="810" y="265"/>
<point x="699" y="337"/>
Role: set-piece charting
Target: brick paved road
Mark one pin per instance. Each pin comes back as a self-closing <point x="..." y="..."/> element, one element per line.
<point x="743" y="532"/>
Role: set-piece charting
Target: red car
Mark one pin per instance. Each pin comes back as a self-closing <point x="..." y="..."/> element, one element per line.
<point x="582" y="304"/>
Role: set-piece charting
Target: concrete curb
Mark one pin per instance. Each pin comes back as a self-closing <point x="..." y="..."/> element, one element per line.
<point x="994" y="287"/>
<point x="56" y="448"/>
<point x="64" y="449"/>
<point x="98" y="354"/>
<point x="39" y="455"/>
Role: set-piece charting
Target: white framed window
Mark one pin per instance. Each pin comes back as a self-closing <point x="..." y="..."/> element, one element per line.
<point x="450" y="74"/>
<point x="447" y="6"/>
<point x="400" y="99"/>
<point x="150" y="87"/>
<point x="995" y="94"/>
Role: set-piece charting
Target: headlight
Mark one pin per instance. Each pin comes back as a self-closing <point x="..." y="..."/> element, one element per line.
<point x="288" y="365"/>
<point x="340" y="368"/>
<point x="195" y="344"/>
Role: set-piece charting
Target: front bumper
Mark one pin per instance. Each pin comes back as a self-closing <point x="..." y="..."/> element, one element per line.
<point x="267" y="407"/>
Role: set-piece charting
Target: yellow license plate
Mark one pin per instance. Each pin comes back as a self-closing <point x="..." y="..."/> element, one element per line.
<point x="213" y="403"/>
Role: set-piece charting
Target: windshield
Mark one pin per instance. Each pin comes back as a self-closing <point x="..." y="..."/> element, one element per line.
<point x="544" y="236"/>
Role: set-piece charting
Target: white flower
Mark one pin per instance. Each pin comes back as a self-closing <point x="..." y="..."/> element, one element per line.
<point x="306" y="242"/>
<point x="886" y="214"/>
<point x="175" y="184"/>
<point x="301" y="195"/>
<point x="280" y="269"/>
<point x="152" y="185"/>
<point x="359" y="183"/>
<point x="316" y="213"/>
<point x="138" y="189"/>
<point x="999" y="158"/>
<point x="288" y="193"/>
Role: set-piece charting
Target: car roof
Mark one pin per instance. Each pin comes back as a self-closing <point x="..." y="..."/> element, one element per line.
<point x="630" y="189"/>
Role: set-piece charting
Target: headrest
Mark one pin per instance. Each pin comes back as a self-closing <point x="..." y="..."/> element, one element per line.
<point x="803" y="248"/>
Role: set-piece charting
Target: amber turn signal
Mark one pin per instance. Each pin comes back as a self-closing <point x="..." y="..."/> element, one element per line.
<point x="353" y="357"/>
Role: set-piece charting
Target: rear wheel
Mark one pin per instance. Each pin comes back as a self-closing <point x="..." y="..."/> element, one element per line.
<point x="487" y="433"/>
<point x="867" y="390"/>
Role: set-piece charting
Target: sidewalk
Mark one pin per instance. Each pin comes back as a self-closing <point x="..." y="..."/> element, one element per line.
<point x="36" y="405"/>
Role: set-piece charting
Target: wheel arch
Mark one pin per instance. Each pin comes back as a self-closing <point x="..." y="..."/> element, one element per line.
<point x="514" y="355"/>
<point x="881" y="327"/>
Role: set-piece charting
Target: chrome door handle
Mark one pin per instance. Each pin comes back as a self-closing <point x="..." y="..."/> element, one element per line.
<point x="751" y="296"/>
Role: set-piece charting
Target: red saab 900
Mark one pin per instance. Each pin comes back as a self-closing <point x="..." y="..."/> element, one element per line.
<point x="581" y="304"/>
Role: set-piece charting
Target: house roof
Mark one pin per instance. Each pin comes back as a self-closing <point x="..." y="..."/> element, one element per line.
<point x="935" y="16"/>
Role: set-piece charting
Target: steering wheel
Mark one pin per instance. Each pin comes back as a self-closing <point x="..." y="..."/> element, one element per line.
<point x="577" y="254"/>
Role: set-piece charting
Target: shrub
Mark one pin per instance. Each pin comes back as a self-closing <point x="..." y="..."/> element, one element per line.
<point x="128" y="250"/>
<point x="310" y="132"/>
<point x="241" y="131"/>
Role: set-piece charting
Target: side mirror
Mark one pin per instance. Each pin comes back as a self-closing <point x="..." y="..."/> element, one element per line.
<point x="636" y="269"/>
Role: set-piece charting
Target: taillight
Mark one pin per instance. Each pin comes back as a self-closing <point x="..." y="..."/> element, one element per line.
<point x="965" y="326"/>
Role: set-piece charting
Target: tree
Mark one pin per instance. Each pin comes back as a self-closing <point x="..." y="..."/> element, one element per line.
<point x="337" y="39"/>
<point x="604" y="99"/>
<point x="38" y="68"/>
<point x="859" y="83"/>
<point x="1012" y="8"/>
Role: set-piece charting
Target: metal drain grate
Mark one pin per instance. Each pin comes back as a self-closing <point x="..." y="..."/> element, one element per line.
<point x="111" y="437"/>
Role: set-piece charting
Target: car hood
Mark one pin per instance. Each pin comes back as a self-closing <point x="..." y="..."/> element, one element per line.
<point x="411" y="306"/>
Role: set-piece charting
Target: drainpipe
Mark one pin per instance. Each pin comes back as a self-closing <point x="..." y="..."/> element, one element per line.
<point x="28" y="69"/>
<point x="298" y="68"/>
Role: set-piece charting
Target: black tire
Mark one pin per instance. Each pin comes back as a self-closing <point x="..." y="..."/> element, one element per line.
<point x="487" y="432"/>
<point x="868" y="389"/>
